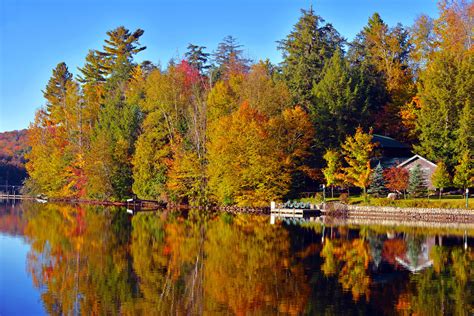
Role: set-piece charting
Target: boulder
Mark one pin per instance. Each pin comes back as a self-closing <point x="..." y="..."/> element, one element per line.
<point x="392" y="196"/>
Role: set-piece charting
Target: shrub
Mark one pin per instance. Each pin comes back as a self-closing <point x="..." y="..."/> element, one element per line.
<point x="344" y="198"/>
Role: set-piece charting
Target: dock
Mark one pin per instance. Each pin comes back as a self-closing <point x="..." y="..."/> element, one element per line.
<point x="284" y="211"/>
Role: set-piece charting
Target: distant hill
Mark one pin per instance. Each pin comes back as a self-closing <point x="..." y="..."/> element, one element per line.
<point x="13" y="146"/>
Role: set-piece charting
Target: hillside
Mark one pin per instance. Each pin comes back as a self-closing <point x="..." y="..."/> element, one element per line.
<point x="13" y="146"/>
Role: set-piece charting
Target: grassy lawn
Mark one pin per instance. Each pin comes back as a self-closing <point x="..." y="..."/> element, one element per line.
<point x="449" y="201"/>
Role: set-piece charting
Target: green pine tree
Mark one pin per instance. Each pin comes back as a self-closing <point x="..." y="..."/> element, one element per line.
<point x="447" y="87"/>
<point x="339" y="103"/>
<point x="417" y="183"/>
<point x="198" y="58"/>
<point x="377" y="182"/>
<point x="55" y="93"/>
<point x="305" y="51"/>
<point x="118" y="120"/>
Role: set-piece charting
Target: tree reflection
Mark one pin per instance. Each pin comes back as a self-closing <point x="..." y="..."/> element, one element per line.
<point x="100" y="261"/>
<point x="77" y="259"/>
<point x="249" y="267"/>
<point x="349" y="259"/>
<point x="442" y="289"/>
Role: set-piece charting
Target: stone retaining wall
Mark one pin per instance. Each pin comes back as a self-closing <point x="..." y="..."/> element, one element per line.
<point x="411" y="213"/>
<point x="408" y="210"/>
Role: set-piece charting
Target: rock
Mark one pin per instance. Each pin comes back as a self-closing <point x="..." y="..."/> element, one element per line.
<point x="392" y="196"/>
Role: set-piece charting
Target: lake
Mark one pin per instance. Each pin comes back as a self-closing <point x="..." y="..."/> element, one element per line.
<point x="89" y="260"/>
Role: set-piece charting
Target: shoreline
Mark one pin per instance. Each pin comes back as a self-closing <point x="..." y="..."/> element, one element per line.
<point x="334" y="210"/>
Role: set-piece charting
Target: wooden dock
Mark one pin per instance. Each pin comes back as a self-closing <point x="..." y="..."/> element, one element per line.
<point x="280" y="211"/>
<point x="16" y="197"/>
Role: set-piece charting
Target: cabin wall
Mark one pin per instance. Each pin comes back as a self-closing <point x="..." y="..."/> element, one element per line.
<point x="427" y="168"/>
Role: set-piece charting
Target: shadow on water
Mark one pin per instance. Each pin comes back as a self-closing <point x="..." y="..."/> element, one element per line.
<point x="102" y="260"/>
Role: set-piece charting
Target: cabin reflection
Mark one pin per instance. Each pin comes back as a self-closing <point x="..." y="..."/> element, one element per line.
<point x="417" y="257"/>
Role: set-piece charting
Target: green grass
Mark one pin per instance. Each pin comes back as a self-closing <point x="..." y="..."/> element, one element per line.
<point x="449" y="201"/>
<point x="432" y="202"/>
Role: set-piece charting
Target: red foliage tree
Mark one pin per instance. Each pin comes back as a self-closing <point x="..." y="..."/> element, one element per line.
<point x="396" y="179"/>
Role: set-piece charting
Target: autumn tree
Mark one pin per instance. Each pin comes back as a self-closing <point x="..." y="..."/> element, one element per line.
<point x="223" y="98"/>
<point x="243" y="167"/>
<point x="293" y="134"/>
<point x="464" y="172"/>
<point x="357" y="151"/>
<point x="261" y="89"/>
<point x="56" y="137"/>
<point x="332" y="172"/>
<point x="396" y="179"/>
<point x="382" y="53"/>
<point x="440" y="178"/>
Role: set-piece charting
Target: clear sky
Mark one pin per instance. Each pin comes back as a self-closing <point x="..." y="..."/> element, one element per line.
<point x="36" y="35"/>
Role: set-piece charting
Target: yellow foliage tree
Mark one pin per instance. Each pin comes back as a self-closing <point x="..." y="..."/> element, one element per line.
<point x="357" y="151"/>
<point x="243" y="160"/>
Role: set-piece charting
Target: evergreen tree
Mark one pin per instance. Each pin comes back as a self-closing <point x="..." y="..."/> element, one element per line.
<point x="55" y="93"/>
<point x="229" y="58"/>
<point x="447" y="88"/>
<point x="94" y="69"/>
<point x="337" y="108"/>
<point x="120" y="47"/>
<point x="417" y="183"/>
<point x="440" y="178"/>
<point x="119" y="118"/>
<point x="377" y="182"/>
<point x="305" y="51"/>
<point x="197" y="58"/>
<point x="464" y="172"/>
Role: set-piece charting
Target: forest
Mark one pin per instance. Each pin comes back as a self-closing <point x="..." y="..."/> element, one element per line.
<point x="214" y="127"/>
<point x="13" y="147"/>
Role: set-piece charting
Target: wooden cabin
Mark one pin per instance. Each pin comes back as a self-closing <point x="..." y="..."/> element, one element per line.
<point x="427" y="166"/>
<point x="389" y="151"/>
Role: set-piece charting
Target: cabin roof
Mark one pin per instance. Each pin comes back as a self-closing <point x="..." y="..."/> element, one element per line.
<point x="414" y="158"/>
<point x="388" y="142"/>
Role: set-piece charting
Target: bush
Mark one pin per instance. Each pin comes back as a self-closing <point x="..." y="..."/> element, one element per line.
<point x="318" y="198"/>
<point x="344" y="198"/>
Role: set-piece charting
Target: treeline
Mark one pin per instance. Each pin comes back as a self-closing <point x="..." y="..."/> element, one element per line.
<point x="219" y="128"/>
<point x="13" y="147"/>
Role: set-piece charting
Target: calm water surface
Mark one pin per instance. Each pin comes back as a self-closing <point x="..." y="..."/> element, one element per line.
<point x="83" y="260"/>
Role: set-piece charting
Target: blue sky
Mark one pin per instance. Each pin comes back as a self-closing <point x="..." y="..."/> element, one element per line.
<point x="36" y="35"/>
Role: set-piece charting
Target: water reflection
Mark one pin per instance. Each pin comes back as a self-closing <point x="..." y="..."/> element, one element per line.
<point x="94" y="260"/>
